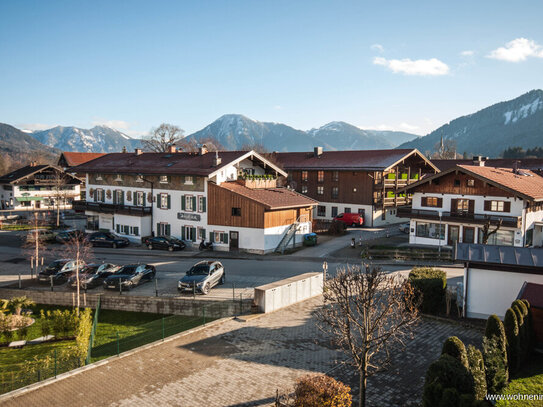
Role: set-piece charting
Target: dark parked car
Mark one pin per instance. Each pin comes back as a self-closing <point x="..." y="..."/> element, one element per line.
<point x="202" y="277"/>
<point x="68" y="235"/>
<point x="165" y="243"/>
<point x="107" y="239"/>
<point x="61" y="270"/>
<point x="130" y="276"/>
<point x="93" y="275"/>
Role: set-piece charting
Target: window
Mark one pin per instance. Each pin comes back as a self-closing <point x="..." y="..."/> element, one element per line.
<point x="201" y="203"/>
<point x="462" y="205"/>
<point x="188" y="233"/>
<point x="236" y="211"/>
<point x="335" y="176"/>
<point x="201" y="234"/>
<point x="304" y="189"/>
<point x="456" y="182"/>
<point x="163" y="229"/>
<point x="189" y="180"/>
<point x="92" y="222"/>
<point x="334" y="211"/>
<point x="304" y="176"/>
<point x="469" y="235"/>
<point x="430" y="230"/>
<point x="164" y="179"/>
<point x="335" y="192"/>
<point x="139" y="198"/>
<point x="189" y="203"/>
<point x="347" y="210"/>
<point x="498" y="206"/>
<point x="471" y="182"/>
<point x="99" y="195"/>
<point x="431" y="201"/>
<point x="127" y="230"/>
<point x="118" y="197"/>
<point x="321" y="210"/>
<point x="164" y="201"/>
<point x="501" y="238"/>
<point x="320" y="190"/>
<point x="219" y="237"/>
<point x="320" y="176"/>
<point x="362" y="212"/>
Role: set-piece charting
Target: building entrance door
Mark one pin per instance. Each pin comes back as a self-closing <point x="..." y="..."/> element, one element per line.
<point x="468" y="235"/>
<point x="454" y="232"/>
<point x="234" y="240"/>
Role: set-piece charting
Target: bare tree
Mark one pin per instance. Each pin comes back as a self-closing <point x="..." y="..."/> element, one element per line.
<point x="486" y="232"/>
<point x="77" y="248"/>
<point x="59" y="192"/>
<point x="367" y="311"/>
<point x="34" y="244"/>
<point x="161" y="138"/>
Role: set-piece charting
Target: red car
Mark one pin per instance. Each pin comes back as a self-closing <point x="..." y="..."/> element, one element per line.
<point x="350" y="219"/>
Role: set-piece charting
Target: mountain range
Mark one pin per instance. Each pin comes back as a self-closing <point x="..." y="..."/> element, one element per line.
<point x="488" y="132"/>
<point x="18" y="146"/>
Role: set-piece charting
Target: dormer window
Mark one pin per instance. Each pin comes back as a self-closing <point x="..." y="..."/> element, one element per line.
<point x="164" y="179"/>
<point x="118" y="177"/>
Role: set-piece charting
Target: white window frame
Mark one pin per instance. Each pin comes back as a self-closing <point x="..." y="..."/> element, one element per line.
<point x="137" y="201"/>
<point x="320" y="190"/>
<point x="497" y="206"/>
<point x="163" y="200"/>
<point x="217" y="236"/>
<point x="200" y="203"/>
<point x="163" y="179"/>
<point x="188" y="203"/>
<point x="189" y="180"/>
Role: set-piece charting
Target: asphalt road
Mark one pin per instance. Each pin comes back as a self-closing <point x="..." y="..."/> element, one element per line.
<point x="242" y="274"/>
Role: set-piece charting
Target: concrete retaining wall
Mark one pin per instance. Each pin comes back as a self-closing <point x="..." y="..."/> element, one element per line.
<point x="157" y="305"/>
<point x="273" y="296"/>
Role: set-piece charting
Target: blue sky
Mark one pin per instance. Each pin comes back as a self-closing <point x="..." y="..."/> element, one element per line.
<point x="403" y="65"/>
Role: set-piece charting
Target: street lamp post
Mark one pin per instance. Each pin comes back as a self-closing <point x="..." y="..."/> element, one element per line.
<point x="152" y="199"/>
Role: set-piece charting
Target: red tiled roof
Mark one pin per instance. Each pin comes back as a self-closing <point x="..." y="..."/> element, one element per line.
<point x="526" y="163"/>
<point x="523" y="182"/>
<point x="158" y="163"/>
<point x="344" y="160"/>
<point x="74" y="158"/>
<point x="272" y="198"/>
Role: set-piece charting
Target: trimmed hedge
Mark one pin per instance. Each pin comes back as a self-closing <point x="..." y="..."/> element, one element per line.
<point x="477" y="370"/>
<point x="429" y="283"/>
<point x="495" y="358"/>
<point x="454" y="347"/>
<point x="321" y="391"/>
<point x="510" y="324"/>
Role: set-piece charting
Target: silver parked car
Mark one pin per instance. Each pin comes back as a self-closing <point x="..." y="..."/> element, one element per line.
<point x="404" y="227"/>
<point x="203" y="276"/>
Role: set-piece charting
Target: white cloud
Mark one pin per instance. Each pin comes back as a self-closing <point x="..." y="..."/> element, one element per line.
<point x="420" y="67"/>
<point x="410" y="128"/>
<point x="114" y="124"/>
<point x="278" y="107"/>
<point x="517" y="50"/>
<point x="377" y="47"/>
<point x="467" y="53"/>
<point x="35" y="126"/>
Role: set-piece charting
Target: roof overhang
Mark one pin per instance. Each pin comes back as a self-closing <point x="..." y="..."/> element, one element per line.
<point x="251" y="155"/>
<point x="414" y="152"/>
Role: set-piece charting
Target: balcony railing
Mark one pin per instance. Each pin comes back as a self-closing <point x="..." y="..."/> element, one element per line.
<point x="391" y="183"/>
<point x="112" y="208"/>
<point x="507" y="221"/>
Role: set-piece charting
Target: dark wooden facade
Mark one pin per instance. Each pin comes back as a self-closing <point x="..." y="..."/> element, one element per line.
<point x="252" y="214"/>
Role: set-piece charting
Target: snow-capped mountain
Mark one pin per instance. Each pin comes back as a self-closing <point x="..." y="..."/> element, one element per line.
<point x="517" y="122"/>
<point x="234" y="132"/>
<point x="99" y="139"/>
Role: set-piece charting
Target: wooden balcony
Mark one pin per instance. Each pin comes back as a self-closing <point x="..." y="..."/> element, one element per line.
<point x="460" y="217"/>
<point x="112" y="208"/>
<point x="391" y="183"/>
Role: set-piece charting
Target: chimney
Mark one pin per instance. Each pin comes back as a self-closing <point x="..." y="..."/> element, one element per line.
<point x="124" y="149"/>
<point x="317" y="152"/>
<point x="479" y="160"/>
<point x="172" y="148"/>
<point x="217" y="160"/>
<point x="138" y="151"/>
<point x="202" y="149"/>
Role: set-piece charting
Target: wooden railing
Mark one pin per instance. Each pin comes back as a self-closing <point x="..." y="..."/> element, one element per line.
<point x="112" y="208"/>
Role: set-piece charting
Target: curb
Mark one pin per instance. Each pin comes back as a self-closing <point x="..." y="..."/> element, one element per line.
<point x="31" y="387"/>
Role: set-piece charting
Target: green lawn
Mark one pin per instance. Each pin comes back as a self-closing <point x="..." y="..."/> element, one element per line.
<point x="528" y="381"/>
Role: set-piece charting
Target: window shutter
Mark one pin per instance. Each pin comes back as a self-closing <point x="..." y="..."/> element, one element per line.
<point x="169" y="202"/>
<point x="204" y="204"/>
<point x="507" y="206"/>
<point x="168" y="230"/>
<point x="194" y="208"/>
<point x="424" y="201"/>
<point x="136" y="230"/>
<point x="182" y="233"/>
<point x="440" y="202"/>
<point x="182" y="202"/>
<point x="122" y="198"/>
<point x="488" y="206"/>
<point x="158" y="203"/>
<point x="203" y="233"/>
<point x="117" y="228"/>
<point x="225" y="238"/>
<point x="158" y="229"/>
<point x="193" y="234"/>
<point x="211" y="237"/>
<point x="471" y="206"/>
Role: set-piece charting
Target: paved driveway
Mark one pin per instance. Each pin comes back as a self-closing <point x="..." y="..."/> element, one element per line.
<point x="240" y="363"/>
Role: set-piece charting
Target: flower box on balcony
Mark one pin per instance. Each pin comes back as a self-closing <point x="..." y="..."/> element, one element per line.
<point x="259" y="183"/>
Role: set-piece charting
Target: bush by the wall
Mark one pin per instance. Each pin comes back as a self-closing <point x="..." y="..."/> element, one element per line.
<point x="321" y="391"/>
<point x="477" y="369"/>
<point x="510" y="324"/>
<point x="454" y="347"/>
<point x="522" y="315"/>
<point x="82" y="334"/>
<point x="494" y="327"/>
<point x="495" y="358"/>
<point x="429" y="283"/>
<point x="529" y="327"/>
<point x="446" y="373"/>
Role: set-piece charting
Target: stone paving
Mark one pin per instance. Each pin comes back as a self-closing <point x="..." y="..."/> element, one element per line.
<point x="240" y="364"/>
